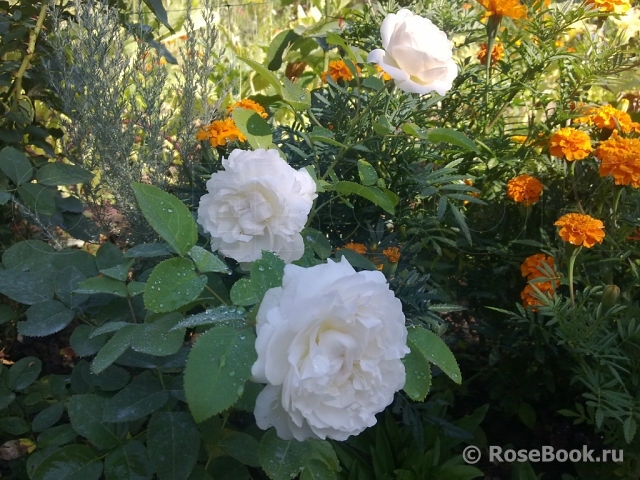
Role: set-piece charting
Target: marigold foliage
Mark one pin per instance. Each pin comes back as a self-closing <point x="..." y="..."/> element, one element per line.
<point x="531" y="298"/>
<point x="524" y="189"/>
<point x="570" y="143"/>
<point x="620" y="158"/>
<point x="580" y="229"/>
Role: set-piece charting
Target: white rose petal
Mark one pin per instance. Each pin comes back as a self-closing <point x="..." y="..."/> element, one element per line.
<point x="330" y="344"/>
<point x="415" y="53"/>
<point x="258" y="202"/>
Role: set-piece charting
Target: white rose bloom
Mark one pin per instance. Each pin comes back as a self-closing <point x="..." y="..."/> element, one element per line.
<point x="416" y="54"/>
<point x="330" y="343"/>
<point x="258" y="202"/>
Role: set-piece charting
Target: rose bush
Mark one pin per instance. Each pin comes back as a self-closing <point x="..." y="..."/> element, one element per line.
<point x="257" y="203"/>
<point x="330" y="343"/>
<point x="416" y="53"/>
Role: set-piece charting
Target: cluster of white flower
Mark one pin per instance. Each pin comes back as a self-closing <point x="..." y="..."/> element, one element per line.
<point x="330" y="341"/>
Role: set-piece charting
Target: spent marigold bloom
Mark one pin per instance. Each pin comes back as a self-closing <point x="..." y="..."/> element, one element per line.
<point x="504" y="8"/>
<point x="392" y="254"/>
<point x="219" y="132"/>
<point x="612" y="6"/>
<point x="570" y="143"/>
<point x="537" y="265"/>
<point x="360" y="248"/>
<point x="249" y="104"/>
<point x="620" y="158"/>
<point x="497" y="53"/>
<point x="339" y="70"/>
<point x="524" y="189"/>
<point x="580" y="229"/>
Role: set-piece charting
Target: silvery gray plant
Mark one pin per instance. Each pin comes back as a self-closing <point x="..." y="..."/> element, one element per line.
<point x="126" y="117"/>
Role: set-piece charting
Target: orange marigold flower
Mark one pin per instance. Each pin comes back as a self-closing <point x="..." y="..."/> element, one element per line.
<point x="249" y="104"/>
<point x="620" y="158"/>
<point x="608" y="117"/>
<point x="497" y="53"/>
<point x="219" y="132"/>
<point x="504" y="8"/>
<point x="524" y="189"/>
<point x="360" y="248"/>
<point x="580" y="229"/>
<point x="392" y="254"/>
<point x="570" y="143"/>
<point x="384" y="75"/>
<point x="338" y="70"/>
<point x="531" y="297"/>
<point x="537" y="265"/>
<point x="613" y="6"/>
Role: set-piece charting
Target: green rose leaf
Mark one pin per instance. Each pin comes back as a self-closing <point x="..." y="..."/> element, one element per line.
<point x="40" y="199"/>
<point x="224" y="315"/>
<point x="86" y="416"/>
<point x="102" y="285"/>
<point x="24" y="372"/>
<point x="254" y="127"/>
<point x="173" y="442"/>
<point x="29" y="255"/>
<point x="113" y="349"/>
<point x="218" y="366"/>
<point x="284" y="459"/>
<point x="143" y="396"/>
<point x="266" y="273"/>
<point x="433" y="348"/>
<point x="418" y="379"/>
<point x="82" y="342"/>
<point x="28" y="288"/>
<point x="55" y="437"/>
<point x="129" y="461"/>
<point x="45" y="318"/>
<point x="241" y="446"/>
<point x="71" y="462"/>
<point x="168" y="216"/>
<point x="158" y="337"/>
<point x="54" y="174"/>
<point x="207" y="261"/>
<point x="47" y="417"/>
<point x="16" y="165"/>
<point x="318" y="242"/>
<point x="173" y="283"/>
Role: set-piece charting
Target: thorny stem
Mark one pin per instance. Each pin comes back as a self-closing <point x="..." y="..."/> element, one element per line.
<point x="26" y="61"/>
